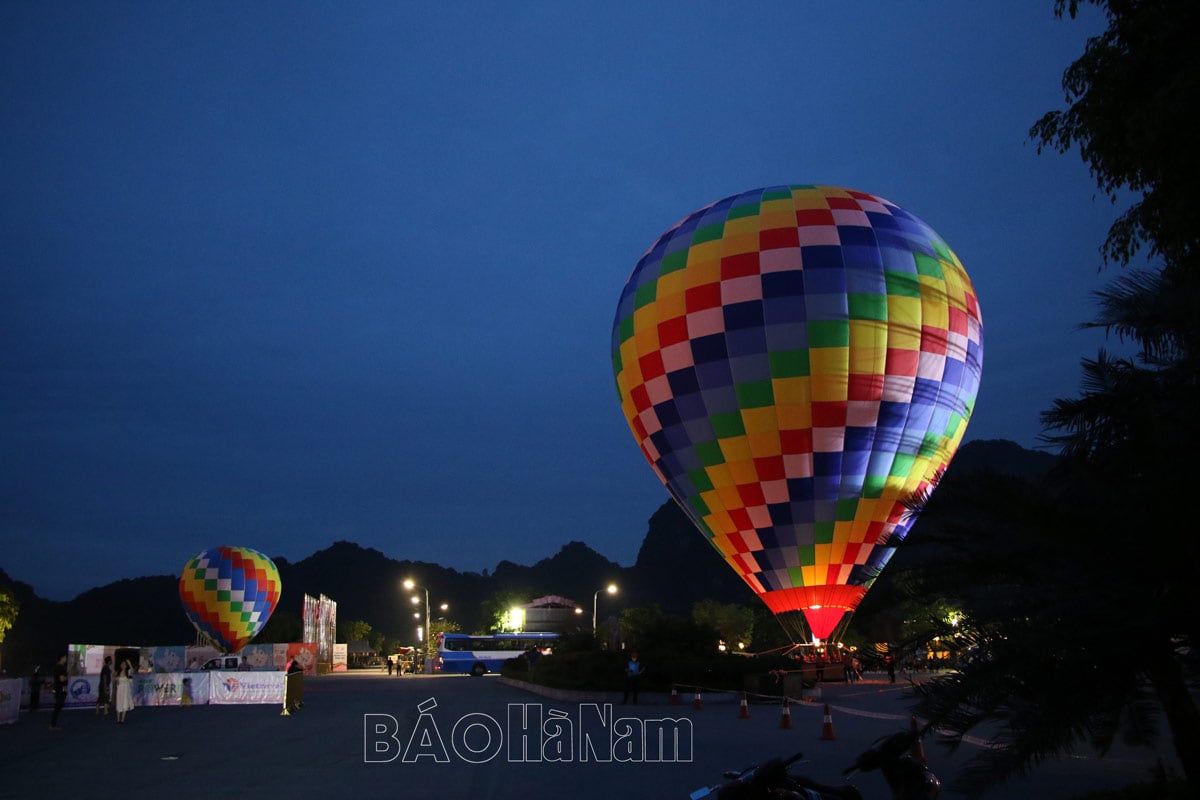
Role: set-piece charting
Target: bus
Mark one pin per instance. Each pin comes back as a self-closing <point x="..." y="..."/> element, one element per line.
<point x="479" y="655"/>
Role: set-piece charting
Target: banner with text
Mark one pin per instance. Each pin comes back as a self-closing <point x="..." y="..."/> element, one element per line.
<point x="232" y="688"/>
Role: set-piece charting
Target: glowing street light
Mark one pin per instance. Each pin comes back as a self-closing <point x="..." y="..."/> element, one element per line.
<point x="410" y="585"/>
<point x="611" y="589"/>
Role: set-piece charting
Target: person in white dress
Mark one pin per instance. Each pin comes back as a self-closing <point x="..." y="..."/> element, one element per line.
<point x="123" y="685"/>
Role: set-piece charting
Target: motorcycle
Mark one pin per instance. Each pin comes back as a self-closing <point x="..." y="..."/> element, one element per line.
<point x="907" y="778"/>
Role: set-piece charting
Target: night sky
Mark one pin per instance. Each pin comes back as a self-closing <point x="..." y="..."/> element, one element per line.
<point x="280" y="274"/>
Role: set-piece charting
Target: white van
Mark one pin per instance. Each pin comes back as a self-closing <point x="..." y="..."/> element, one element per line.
<point x="223" y="662"/>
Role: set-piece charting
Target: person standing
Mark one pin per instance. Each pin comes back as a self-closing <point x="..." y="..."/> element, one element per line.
<point x="891" y="667"/>
<point x="35" y="689"/>
<point x="60" y="690"/>
<point x="633" y="672"/>
<point x="848" y="667"/>
<point x="123" y="684"/>
<point x="104" y="687"/>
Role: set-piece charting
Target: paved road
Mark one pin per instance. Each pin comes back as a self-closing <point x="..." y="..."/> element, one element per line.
<point x="324" y="748"/>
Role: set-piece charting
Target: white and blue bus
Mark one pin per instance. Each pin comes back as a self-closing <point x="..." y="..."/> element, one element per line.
<point x="479" y="655"/>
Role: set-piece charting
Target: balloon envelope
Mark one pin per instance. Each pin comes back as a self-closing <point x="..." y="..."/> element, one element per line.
<point x="798" y="364"/>
<point x="229" y="593"/>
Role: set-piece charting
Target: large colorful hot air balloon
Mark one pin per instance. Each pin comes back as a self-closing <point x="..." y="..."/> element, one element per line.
<point x="229" y="593"/>
<point x="798" y="364"/>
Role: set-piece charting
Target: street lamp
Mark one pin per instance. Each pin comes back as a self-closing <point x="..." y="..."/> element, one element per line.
<point x="410" y="585"/>
<point x="611" y="589"/>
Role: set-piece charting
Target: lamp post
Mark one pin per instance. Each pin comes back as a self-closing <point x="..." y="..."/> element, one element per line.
<point x="410" y="584"/>
<point x="611" y="589"/>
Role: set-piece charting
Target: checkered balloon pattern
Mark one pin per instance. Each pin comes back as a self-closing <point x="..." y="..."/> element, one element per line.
<point x="798" y="364"/>
<point x="229" y="593"/>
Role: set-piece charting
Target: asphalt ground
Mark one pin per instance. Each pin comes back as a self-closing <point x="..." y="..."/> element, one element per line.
<point x="331" y="745"/>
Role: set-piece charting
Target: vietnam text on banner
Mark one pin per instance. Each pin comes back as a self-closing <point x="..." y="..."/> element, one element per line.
<point x="231" y="688"/>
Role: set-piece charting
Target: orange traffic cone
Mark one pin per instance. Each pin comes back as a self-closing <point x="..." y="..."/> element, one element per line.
<point x="674" y="696"/>
<point x="744" y="708"/>
<point x="785" y="721"/>
<point x="696" y="704"/>
<point x="917" y="751"/>
<point x="827" y="734"/>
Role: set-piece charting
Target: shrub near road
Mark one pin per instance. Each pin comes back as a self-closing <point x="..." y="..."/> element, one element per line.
<point x="679" y="652"/>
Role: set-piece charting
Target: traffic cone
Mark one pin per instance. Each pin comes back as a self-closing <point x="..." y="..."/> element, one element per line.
<point x="827" y="734"/>
<point x="917" y="751"/>
<point x="696" y="704"/>
<point x="744" y="708"/>
<point x="785" y="720"/>
<point x="674" y="696"/>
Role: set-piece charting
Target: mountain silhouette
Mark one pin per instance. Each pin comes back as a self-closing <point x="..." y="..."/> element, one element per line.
<point x="675" y="568"/>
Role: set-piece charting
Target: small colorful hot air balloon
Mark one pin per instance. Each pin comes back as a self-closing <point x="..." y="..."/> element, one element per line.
<point x="798" y="364"/>
<point x="229" y="593"/>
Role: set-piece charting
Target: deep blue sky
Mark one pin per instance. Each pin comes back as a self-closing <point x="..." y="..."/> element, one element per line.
<point x="281" y="274"/>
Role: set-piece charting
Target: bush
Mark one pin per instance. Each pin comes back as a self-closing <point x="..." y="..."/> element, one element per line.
<point x="597" y="670"/>
<point x="604" y="670"/>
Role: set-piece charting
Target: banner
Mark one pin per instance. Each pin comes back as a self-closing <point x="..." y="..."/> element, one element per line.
<point x="259" y="657"/>
<point x="306" y="654"/>
<point x="81" y="691"/>
<point x="233" y="688"/>
<point x="340" y="657"/>
<point x="87" y="659"/>
<point x="93" y="658"/>
<point x="159" y="689"/>
<point x="163" y="659"/>
<point x="169" y="688"/>
<point x="10" y="699"/>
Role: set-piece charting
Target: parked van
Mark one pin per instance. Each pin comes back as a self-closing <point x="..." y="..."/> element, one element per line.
<point x="223" y="662"/>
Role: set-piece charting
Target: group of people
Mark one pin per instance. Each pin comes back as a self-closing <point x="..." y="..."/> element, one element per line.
<point x="114" y="690"/>
<point x="852" y="667"/>
<point x="119" y="687"/>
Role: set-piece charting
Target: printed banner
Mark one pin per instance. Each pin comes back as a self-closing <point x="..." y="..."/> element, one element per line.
<point x="340" y="657"/>
<point x="10" y="699"/>
<point x="93" y="658"/>
<point x="306" y="654"/>
<point x="81" y="691"/>
<point x="259" y="656"/>
<point x="169" y="688"/>
<point x="163" y="659"/>
<point x="233" y="688"/>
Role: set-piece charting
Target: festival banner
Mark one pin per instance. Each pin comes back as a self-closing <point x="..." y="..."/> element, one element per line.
<point x="281" y="656"/>
<point x="93" y="658"/>
<point x="259" y="656"/>
<point x="10" y="699"/>
<point x="81" y="691"/>
<point x="235" y="688"/>
<point x="306" y="654"/>
<point x="340" y="656"/>
<point x="165" y="658"/>
<point x="168" y="688"/>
